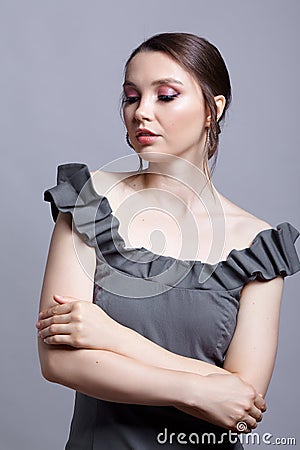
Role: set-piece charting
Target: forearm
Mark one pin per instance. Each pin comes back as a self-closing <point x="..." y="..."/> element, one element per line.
<point x="129" y="343"/>
<point x="112" y="377"/>
<point x="116" y="378"/>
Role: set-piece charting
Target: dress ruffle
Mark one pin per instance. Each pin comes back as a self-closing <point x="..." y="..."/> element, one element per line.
<point x="271" y="253"/>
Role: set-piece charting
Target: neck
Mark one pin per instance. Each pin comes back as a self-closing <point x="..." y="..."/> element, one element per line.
<point x="182" y="178"/>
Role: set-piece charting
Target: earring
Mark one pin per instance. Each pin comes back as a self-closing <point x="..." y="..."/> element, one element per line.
<point x="208" y="138"/>
<point x="131" y="146"/>
<point x="208" y="143"/>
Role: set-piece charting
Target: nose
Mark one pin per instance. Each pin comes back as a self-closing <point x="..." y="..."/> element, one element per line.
<point x="144" y="110"/>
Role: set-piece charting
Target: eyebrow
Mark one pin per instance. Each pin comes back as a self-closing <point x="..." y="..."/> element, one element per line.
<point x="156" y="83"/>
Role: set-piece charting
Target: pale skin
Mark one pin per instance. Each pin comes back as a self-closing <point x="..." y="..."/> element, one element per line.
<point x="81" y="347"/>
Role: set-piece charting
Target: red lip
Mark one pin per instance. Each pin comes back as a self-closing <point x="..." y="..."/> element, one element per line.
<point x="145" y="132"/>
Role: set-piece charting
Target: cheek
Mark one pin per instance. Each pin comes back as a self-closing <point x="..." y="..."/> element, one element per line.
<point x="128" y="115"/>
<point x="186" y="118"/>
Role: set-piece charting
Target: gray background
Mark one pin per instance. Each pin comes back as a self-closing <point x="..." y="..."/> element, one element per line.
<point x="60" y="80"/>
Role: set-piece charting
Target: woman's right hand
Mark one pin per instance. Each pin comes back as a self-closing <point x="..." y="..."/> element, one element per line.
<point x="225" y="401"/>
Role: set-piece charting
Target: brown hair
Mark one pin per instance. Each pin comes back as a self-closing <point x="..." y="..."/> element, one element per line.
<point x="205" y="63"/>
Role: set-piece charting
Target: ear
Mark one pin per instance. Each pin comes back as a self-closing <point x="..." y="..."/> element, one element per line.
<point x="220" y="103"/>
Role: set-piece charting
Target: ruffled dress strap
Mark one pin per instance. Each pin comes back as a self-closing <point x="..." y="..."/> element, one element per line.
<point x="271" y="253"/>
<point x="275" y="253"/>
<point x="75" y="194"/>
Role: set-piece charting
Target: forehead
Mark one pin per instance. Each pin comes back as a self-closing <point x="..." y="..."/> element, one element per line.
<point x="147" y="67"/>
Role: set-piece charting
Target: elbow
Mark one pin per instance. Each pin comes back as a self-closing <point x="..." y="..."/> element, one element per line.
<point x="47" y="373"/>
<point x="47" y="365"/>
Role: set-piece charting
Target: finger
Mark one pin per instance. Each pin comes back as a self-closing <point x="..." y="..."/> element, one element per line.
<point x="57" y="309"/>
<point x="53" y="330"/>
<point x="251" y="422"/>
<point x="63" y="318"/>
<point x="63" y="299"/>
<point x="256" y="413"/>
<point x="260" y="403"/>
<point x="59" y="339"/>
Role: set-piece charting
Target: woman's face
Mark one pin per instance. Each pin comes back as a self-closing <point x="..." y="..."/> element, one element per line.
<point x="164" y="109"/>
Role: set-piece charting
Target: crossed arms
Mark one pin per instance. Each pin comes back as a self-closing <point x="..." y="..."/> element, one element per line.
<point x="81" y="347"/>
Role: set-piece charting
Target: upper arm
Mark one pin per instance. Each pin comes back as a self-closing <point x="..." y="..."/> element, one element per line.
<point x="252" y="351"/>
<point x="69" y="272"/>
<point x="70" y="265"/>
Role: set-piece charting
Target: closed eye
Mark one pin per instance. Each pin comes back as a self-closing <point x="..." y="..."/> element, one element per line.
<point x="130" y="99"/>
<point x="163" y="98"/>
<point x="167" y="98"/>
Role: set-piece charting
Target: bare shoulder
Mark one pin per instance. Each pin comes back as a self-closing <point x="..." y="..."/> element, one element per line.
<point x="107" y="181"/>
<point x="103" y="175"/>
<point x="242" y="226"/>
<point x="115" y="186"/>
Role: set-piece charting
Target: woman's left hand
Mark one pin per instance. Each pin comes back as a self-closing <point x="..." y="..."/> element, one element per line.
<point x="77" y="323"/>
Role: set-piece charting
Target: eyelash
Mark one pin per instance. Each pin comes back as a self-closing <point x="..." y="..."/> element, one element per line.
<point x="162" y="98"/>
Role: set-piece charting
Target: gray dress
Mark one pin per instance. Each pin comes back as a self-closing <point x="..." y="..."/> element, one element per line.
<point x="185" y="306"/>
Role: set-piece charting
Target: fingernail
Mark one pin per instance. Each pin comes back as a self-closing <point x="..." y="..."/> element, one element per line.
<point x="59" y="296"/>
<point x="38" y="325"/>
<point x="40" y="315"/>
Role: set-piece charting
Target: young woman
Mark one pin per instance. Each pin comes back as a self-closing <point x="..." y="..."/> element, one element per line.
<point x="165" y="346"/>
